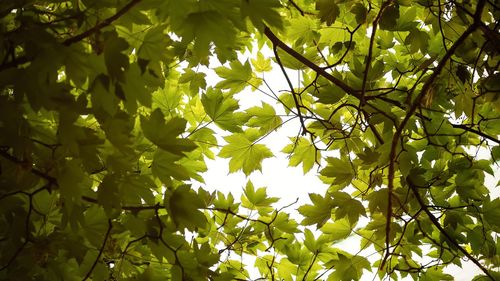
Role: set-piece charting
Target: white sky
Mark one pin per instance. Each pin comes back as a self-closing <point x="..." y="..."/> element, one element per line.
<point x="289" y="183"/>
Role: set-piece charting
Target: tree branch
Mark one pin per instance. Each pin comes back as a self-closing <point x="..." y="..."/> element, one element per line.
<point x="411" y="111"/>
<point x="436" y="223"/>
<point x="101" y="24"/>
<point x="77" y="38"/>
<point x="294" y="95"/>
<point x="277" y="42"/>
<point x="33" y="170"/>
<point x="370" y="50"/>
<point x="474" y="131"/>
<point x="127" y="208"/>
<point x="101" y="250"/>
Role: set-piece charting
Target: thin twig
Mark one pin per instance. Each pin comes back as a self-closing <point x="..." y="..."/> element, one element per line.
<point x="101" y="250"/>
<point x="450" y="239"/>
<point x="101" y="24"/>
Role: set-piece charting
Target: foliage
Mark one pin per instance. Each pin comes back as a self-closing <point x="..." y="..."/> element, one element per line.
<point x="107" y="120"/>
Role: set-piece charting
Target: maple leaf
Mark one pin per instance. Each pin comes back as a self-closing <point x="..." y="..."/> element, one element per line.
<point x="302" y="152"/>
<point x="244" y="153"/>
<point x="328" y="11"/>
<point x="236" y="77"/>
<point x="221" y="108"/>
<point x="318" y="213"/>
<point x="165" y="134"/>
<point x="262" y="13"/>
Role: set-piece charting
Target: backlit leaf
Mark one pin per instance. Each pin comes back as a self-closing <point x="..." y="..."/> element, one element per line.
<point x="236" y="77"/>
<point x="318" y="213"/>
<point x="328" y="11"/>
<point x="245" y="155"/>
<point x="165" y="134"/>
<point x="184" y="205"/>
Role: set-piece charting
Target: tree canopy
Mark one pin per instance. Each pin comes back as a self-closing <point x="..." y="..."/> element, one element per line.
<point x="107" y="119"/>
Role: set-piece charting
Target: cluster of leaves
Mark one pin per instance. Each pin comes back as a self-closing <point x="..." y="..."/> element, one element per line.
<point x="106" y="124"/>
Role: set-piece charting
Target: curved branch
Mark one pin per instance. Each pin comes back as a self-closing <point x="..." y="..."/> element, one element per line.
<point x="77" y="38"/>
<point x="106" y="236"/>
<point x="474" y="131"/>
<point x="411" y="111"/>
<point x="101" y="24"/>
<point x="33" y="170"/>
<point x="127" y="208"/>
<point x="370" y="49"/>
<point x="294" y="95"/>
<point x="436" y="223"/>
<point x="278" y="43"/>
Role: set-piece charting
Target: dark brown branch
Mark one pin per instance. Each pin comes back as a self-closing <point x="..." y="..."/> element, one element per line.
<point x="277" y="42"/>
<point x="474" y="131"/>
<point x="310" y="265"/>
<point x="294" y="95"/>
<point x="14" y="63"/>
<point x="101" y="250"/>
<point x="34" y="171"/>
<point x="450" y="239"/>
<point x="370" y="50"/>
<point x="24" y="59"/>
<point x="127" y="208"/>
<point x="296" y="7"/>
<point x="101" y="24"/>
<point x="411" y="111"/>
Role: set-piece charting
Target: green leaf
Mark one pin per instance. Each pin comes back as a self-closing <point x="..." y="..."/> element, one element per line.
<point x="348" y="267"/>
<point x="310" y="240"/>
<point x="463" y="73"/>
<point x="318" y="213"/>
<point x="196" y="80"/>
<point x="204" y="28"/>
<point x="95" y="225"/>
<point x="264" y="118"/>
<point x="245" y="155"/>
<point x="154" y="44"/>
<point x="72" y="182"/>
<point x="116" y="61"/>
<point x="262" y="13"/>
<point x="495" y="154"/>
<point x="385" y="39"/>
<point x="284" y="223"/>
<point x="418" y="40"/>
<point x="165" y="167"/>
<point x="328" y="11"/>
<point x="389" y="18"/>
<point x="261" y="64"/>
<point x="435" y="273"/>
<point x="184" y="204"/>
<point x="108" y="195"/>
<point x="347" y="207"/>
<point x="338" y="169"/>
<point x="360" y="11"/>
<point x="491" y="213"/>
<point x="378" y="201"/>
<point x="369" y="156"/>
<point x="338" y="230"/>
<point x="256" y="198"/>
<point x="236" y="77"/>
<point x="329" y="94"/>
<point x="165" y="134"/>
<point x="221" y="107"/>
<point x="302" y="151"/>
